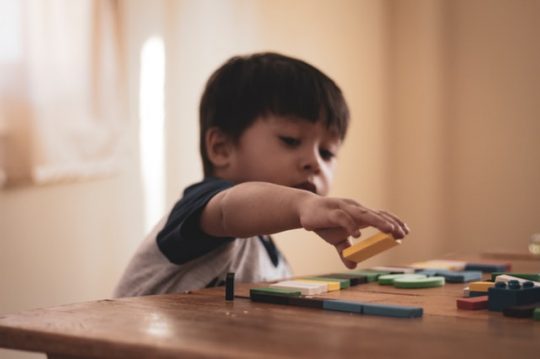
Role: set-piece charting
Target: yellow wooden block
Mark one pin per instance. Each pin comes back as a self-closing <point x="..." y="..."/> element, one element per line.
<point x="370" y="247"/>
<point x="440" y="264"/>
<point x="480" y="286"/>
<point x="332" y="286"/>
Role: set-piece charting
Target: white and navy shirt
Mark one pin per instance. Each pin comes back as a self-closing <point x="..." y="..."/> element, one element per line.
<point x="177" y="256"/>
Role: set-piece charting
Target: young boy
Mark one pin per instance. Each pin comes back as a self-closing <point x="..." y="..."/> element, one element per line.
<point x="270" y="129"/>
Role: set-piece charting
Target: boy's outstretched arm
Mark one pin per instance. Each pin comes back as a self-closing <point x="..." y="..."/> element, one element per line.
<point x="254" y="208"/>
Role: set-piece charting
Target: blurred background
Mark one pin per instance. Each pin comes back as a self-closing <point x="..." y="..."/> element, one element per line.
<point x="99" y="133"/>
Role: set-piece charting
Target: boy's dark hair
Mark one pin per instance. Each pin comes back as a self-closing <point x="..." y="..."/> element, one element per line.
<point x="246" y="87"/>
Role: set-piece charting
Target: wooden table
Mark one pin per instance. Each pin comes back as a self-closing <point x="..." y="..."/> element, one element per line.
<point x="203" y="325"/>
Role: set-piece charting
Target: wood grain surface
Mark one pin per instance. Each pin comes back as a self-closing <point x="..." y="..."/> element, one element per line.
<point x="203" y="325"/>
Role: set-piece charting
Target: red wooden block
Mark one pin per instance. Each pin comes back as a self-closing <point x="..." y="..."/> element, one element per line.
<point x="473" y="303"/>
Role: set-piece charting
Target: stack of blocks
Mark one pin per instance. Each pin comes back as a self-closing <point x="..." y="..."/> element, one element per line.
<point x="503" y="295"/>
<point x="515" y="295"/>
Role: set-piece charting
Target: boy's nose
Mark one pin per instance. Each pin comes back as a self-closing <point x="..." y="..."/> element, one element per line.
<point x="310" y="163"/>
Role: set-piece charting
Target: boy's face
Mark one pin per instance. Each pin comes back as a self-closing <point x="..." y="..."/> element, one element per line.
<point x="286" y="151"/>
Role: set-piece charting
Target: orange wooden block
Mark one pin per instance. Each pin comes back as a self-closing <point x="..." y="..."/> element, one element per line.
<point x="369" y="247"/>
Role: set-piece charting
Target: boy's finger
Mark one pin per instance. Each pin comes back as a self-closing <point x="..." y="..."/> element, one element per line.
<point x="402" y="224"/>
<point x="367" y="217"/>
<point x="344" y="220"/>
<point x="340" y="247"/>
<point x="398" y="232"/>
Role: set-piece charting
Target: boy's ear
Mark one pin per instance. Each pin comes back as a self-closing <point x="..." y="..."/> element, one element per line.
<point x="218" y="148"/>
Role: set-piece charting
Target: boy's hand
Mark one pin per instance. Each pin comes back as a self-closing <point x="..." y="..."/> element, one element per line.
<point x="335" y="219"/>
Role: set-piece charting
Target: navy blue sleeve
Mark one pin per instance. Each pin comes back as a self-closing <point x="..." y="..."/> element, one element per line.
<point x="182" y="239"/>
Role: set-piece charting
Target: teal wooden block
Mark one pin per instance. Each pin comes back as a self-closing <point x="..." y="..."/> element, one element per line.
<point x="343" y="306"/>
<point x="396" y="311"/>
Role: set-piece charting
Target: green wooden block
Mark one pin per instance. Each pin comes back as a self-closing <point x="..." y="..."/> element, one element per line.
<point x="388" y="279"/>
<point x="372" y="276"/>
<point x="410" y="283"/>
<point x="536" y="314"/>
<point x="276" y="291"/>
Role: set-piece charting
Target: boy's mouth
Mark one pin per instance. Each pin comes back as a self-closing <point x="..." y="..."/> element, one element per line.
<point x="307" y="186"/>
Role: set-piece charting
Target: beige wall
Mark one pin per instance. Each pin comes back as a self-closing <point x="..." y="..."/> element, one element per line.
<point x="445" y="132"/>
<point x="465" y="122"/>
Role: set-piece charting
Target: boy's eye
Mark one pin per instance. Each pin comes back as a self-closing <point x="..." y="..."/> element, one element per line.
<point x="290" y="141"/>
<point x="326" y="154"/>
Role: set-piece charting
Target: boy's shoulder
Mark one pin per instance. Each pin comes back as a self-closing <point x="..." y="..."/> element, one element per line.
<point x="208" y="184"/>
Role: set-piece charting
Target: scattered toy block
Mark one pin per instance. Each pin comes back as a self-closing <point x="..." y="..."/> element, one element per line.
<point x="276" y="292"/>
<point x="450" y="265"/>
<point x="396" y="311"/>
<point x="344" y="306"/>
<point x="229" y="286"/>
<point x="481" y="286"/>
<point x="369" y="247"/>
<point x="507" y="278"/>
<point x="534" y="277"/>
<point x="355" y="279"/>
<point x="330" y="286"/>
<point x="393" y="270"/>
<point x="269" y="298"/>
<point x="304" y="288"/>
<point x="475" y="303"/>
<point x="512" y="294"/>
<point x="371" y="275"/>
<point x="453" y="276"/>
<point x="536" y="314"/>
<point x="410" y="283"/>
<point x="308" y="302"/>
<point x="388" y="279"/>
<point x="489" y="267"/>
<point x="272" y="295"/>
<point x="343" y="283"/>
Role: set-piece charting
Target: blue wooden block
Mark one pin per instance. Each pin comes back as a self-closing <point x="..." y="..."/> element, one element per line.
<point x="487" y="267"/>
<point x="505" y="297"/>
<point x="343" y="306"/>
<point x="453" y="277"/>
<point x="463" y="277"/>
<point x="397" y="311"/>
